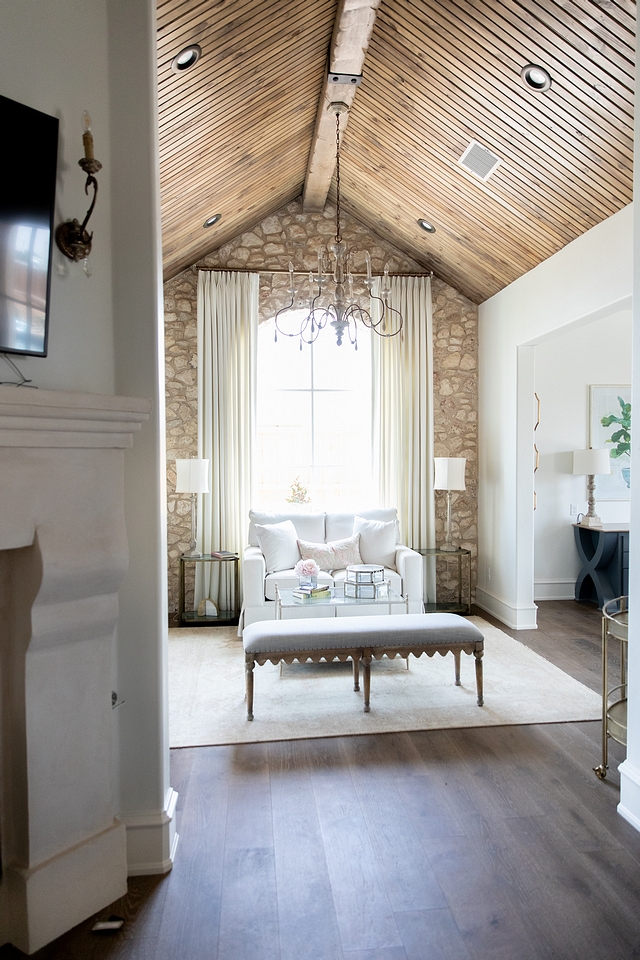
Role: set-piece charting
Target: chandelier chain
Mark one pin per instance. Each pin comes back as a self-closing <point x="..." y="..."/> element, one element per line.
<point x="331" y="300"/>
<point x="338" y="235"/>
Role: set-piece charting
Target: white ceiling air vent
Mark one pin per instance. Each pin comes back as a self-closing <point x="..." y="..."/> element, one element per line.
<point x="478" y="160"/>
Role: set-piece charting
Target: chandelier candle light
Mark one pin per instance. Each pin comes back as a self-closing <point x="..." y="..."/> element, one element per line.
<point x="192" y="476"/>
<point x="589" y="463"/>
<point x="331" y="298"/>
<point x="449" y="476"/>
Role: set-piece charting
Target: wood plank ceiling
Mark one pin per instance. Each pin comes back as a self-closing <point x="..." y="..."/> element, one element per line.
<point x="235" y="131"/>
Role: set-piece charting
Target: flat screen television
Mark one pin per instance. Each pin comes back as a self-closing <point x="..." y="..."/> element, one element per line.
<point x="27" y="199"/>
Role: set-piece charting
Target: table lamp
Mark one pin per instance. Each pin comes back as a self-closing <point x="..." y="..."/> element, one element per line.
<point x="449" y="476"/>
<point x="589" y="463"/>
<point x="192" y="476"/>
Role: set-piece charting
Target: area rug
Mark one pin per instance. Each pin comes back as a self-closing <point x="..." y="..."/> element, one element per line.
<point x="206" y="692"/>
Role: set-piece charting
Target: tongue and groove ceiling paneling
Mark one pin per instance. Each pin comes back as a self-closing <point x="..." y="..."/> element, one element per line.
<point x="236" y="130"/>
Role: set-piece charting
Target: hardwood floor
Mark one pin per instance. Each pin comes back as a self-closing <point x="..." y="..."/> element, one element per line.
<point x="442" y="845"/>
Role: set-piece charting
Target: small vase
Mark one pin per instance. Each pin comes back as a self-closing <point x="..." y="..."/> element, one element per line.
<point x="309" y="582"/>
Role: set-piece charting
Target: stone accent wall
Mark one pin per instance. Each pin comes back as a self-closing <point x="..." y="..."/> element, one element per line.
<point x="455" y="396"/>
<point x="291" y="235"/>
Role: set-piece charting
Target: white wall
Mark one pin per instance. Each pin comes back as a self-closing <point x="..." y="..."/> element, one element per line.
<point x="565" y="365"/>
<point x="64" y="57"/>
<point x="589" y="279"/>
<point x="53" y="57"/>
<point x="146" y="797"/>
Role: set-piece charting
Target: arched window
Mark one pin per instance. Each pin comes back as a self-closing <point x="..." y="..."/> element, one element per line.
<point x="314" y="423"/>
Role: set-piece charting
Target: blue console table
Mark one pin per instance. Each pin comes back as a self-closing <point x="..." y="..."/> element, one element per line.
<point x="604" y="555"/>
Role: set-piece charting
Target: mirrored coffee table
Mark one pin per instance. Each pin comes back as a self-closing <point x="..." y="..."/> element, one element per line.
<point x="286" y="601"/>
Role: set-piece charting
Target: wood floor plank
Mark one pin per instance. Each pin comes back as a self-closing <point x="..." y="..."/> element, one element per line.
<point x="249" y="814"/>
<point x="249" y="914"/>
<point x="482" y="900"/>
<point x="197" y="876"/>
<point x="431" y="933"/>
<point x="408" y="878"/>
<point x="302" y="878"/>
<point x="428" y="808"/>
<point x="365" y="916"/>
<point x="381" y="953"/>
<point x="557" y="886"/>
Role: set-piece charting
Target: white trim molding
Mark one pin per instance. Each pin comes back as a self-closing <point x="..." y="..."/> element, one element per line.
<point x="152" y="839"/>
<point x="46" y="900"/>
<point x="554" y="589"/>
<point x="522" y="617"/>
<point x="629" y="806"/>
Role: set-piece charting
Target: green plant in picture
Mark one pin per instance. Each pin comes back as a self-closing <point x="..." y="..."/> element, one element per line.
<point x="299" y="493"/>
<point x="620" y="438"/>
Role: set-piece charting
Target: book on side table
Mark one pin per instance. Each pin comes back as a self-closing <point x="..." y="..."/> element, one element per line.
<point x="223" y="554"/>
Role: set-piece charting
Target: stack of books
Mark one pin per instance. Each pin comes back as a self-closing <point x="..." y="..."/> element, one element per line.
<point x="307" y="594"/>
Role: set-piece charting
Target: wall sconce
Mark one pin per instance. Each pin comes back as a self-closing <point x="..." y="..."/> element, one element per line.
<point x="72" y="237"/>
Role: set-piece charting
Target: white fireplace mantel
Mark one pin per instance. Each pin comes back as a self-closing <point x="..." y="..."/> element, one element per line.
<point x="63" y="555"/>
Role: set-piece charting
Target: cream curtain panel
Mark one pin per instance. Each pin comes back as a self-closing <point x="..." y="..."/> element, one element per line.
<point x="403" y="411"/>
<point x="227" y="343"/>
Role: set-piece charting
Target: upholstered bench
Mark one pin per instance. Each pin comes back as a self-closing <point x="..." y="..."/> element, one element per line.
<point x="361" y="639"/>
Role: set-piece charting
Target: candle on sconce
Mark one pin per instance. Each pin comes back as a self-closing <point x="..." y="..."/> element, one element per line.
<point x="87" y="136"/>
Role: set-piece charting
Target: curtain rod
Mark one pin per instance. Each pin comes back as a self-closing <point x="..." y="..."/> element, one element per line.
<point x="302" y="273"/>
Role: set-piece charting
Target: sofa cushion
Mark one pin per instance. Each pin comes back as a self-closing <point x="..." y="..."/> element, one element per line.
<point x="309" y="526"/>
<point x="340" y="525"/>
<point x="334" y="555"/>
<point x="377" y="541"/>
<point x="279" y="544"/>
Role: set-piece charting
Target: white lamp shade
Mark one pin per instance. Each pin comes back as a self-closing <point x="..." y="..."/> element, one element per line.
<point x="192" y="476"/>
<point x="449" y="473"/>
<point x="591" y="462"/>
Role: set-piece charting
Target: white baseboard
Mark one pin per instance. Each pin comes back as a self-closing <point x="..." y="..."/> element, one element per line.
<point x="629" y="806"/>
<point x="516" y="618"/>
<point x="554" y="589"/>
<point x="45" y="901"/>
<point x="152" y="839"/>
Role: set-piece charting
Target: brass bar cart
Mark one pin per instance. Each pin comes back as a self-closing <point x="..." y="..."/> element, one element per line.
<point x="615" y="626"/>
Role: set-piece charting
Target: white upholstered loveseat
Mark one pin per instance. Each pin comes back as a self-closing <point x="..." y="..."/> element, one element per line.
<point x="403" y="565"/>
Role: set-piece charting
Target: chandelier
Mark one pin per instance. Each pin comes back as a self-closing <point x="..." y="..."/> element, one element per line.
<point x="331" y="299"/>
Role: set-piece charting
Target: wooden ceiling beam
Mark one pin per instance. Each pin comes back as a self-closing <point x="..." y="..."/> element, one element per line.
<point x="351" y="34"/>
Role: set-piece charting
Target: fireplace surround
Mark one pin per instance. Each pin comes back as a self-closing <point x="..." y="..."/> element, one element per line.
<point x="63" y="555"/>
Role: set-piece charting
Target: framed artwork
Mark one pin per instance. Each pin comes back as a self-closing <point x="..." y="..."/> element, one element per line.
<point x="609" y="425"/>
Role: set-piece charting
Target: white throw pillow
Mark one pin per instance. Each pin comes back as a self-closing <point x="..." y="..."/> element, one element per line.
<point x="279" y="543"/>
<point x="377" y="541"/>
<point x="332" y="556"/>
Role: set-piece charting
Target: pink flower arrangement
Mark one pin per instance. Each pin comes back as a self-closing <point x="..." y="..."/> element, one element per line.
<point x="306" y="568"/>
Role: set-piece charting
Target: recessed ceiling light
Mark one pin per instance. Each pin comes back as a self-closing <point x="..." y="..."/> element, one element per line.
<point x="186" y="58"/>
<point x="210" y="221"/>
<point x="535" y="77"/>
<point x="428" y="227"/>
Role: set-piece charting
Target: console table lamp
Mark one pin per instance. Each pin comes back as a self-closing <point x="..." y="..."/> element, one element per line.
<point x="449" y="476"/>
<point x="192" y="476"/>
<point x="589" y="463"/>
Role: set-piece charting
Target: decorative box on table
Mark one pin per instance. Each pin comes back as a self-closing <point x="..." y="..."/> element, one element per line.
<point x="365" y="581"/>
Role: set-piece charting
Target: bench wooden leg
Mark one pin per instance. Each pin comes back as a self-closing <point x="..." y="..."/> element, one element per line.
<point x="248" y="674"/>
<point x="366" y="659"/>
<point x="478" y="655"/>
<point x="456" y="657"/>
<point x="356" y="673"/>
